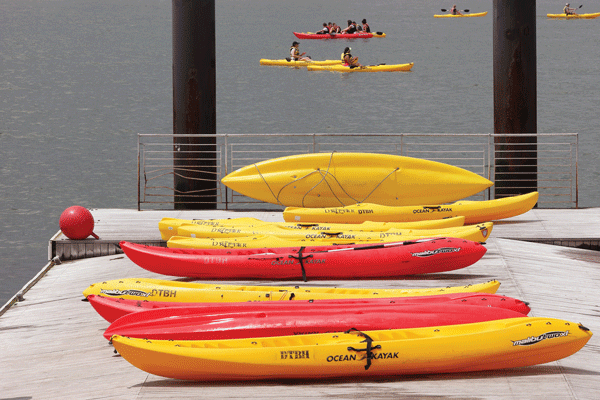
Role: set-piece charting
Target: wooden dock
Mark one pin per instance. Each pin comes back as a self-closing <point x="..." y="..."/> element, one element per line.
<point x="52" y="345"/>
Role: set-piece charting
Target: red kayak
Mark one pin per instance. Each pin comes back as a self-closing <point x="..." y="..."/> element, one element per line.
<point x="357" y="35"/>
<point x="111" y="308"/>
<point x="193" y="323"/>
<point x="358" y="261"/>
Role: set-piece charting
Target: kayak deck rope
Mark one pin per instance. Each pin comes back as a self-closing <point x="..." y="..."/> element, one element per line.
<point x="324" y="175"/>
<point x="301" y="258"/>
<point x="369" y="341"/>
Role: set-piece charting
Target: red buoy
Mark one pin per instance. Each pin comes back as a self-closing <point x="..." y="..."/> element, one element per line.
<point x="77" y="223"/>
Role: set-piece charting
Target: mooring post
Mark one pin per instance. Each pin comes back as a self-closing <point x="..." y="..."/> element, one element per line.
<point x="515" y="97"/>
<point x="194" y="104"/>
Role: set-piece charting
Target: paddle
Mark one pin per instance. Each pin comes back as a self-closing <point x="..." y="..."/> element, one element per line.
<point x="444" y="10"/>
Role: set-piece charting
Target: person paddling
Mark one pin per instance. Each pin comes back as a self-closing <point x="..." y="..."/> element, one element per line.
<point x="348" y="60"/>
<point x="365" y="26"/>
<point x="325" y="29"/>
<point x="295" y="53"/>
<point x="568" y="10"/>
<point x="454" y="11"/>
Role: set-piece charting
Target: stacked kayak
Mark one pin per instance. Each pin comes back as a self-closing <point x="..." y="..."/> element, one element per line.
<point x="490" y="345"/>
<point x="113" y="308"/>
<point x="481" y="14"/>
<point x="476" y="233"/>
<point x="357" y="35"/>
<point x="314" y="262"/>
<point x="365" y="68"/>
<point x="299" y="63"/>
<point x="168" y="227"/>
<point x="574" y="16"/>
<point x="188" y="292"/>
<point x="338" y="179"/>
<point x="200" y="323"/>
<point x="473" y="211"/>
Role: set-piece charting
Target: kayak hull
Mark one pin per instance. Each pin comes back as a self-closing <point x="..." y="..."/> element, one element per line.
<point x="338" y="179"/>
<point x="366" y="68"/>
<point x="168" y="226"/>
<point x="112" y="308"/>
<point x="357" y="35"/>
<point x="178" y="323"/>
<point x="481" y="14"/>
<point x="187" y="292"/>
<point x="474" y="211"/>
<point x="318" y="262"/>
<point x="500" y="344"/>
<point x="576" y="16"/>
<point x="301" y="63"/>
<point x="476" y="233"/>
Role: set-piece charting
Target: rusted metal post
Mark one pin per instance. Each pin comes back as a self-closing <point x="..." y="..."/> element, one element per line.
<point x="194" y="104"/>
<point x="515" y="97"/>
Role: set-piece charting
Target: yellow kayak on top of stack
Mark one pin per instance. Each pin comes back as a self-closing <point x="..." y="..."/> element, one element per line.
<point x="292" y="233"/>
<point x="491" y="345"/>
<point x="476" y="233"/>
<point x="192" y="292"/>
<point x="338" y="179"/>
<point x="473" y="211"/>
<point x="168" y="226"/>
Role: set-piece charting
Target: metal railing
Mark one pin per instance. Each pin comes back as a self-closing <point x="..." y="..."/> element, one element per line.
<point x="556" y="159"/>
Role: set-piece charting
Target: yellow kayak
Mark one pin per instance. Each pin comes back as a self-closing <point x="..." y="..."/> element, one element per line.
<point x="473" y="211"/>
<point x="300" y="63"/>
<point x="365" y="68"/>
<point x="346" y="235"/>
<point x="191" y="292"/>
<point x="491" y="345"/>
<point x="338" y="179"/>
<point x="168" y="226"/>
<point x="476" y="233"/>
<point x="481" y="14"/>
<point x="574" y="16"/>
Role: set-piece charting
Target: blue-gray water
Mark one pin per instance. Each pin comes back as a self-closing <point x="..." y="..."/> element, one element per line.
<point x="79" y="79"/>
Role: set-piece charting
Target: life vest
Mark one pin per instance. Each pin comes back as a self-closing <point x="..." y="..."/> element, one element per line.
<point x="295" y="51"/>
<point x="366" y="28"/>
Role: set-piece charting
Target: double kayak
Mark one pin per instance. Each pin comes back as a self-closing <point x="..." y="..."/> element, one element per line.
<point x="314" y="262"/>
<point x="300" y="63"/>
<point x="473" y="211"/>
<point x="357" y="35"/>
<point x="476" y="233"/>
<point x="490" y="345"/>
<point x="481" y="14"/>
<point x="575" y="16"/>
<point x="113" y="308"/>
<point x="186" y="292"/>
<point x="338" y="179"/>
<point x="168" y="227"/>
<point x="364" y="68"/>
<point x="196" y="323"/>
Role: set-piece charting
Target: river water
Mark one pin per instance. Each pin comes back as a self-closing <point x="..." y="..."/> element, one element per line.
<point x="79" y="79"/>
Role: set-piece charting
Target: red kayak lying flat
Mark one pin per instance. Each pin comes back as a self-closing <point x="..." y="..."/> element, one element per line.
<point x="357" y="35"/>
<point x="196" y="324"/>
<point x="382" y="260"/>
<point x="111" y="308"/>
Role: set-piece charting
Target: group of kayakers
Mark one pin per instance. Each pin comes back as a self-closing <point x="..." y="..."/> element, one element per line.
<point x="353" y="27"/>
<point x="346" y="56"/>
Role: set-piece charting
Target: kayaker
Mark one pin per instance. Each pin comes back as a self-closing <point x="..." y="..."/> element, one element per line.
<point x="365" y="26"/>
<point x="324" y="30"/>
<point x="358" y="27"/>
<point x="295" y="53"/>
<point x="454" y="11"/>
<point x="568" y="10"/>
<point x="350" y="29"/>
<point x="336" y="28"/>
<point x="350" y="61"/>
